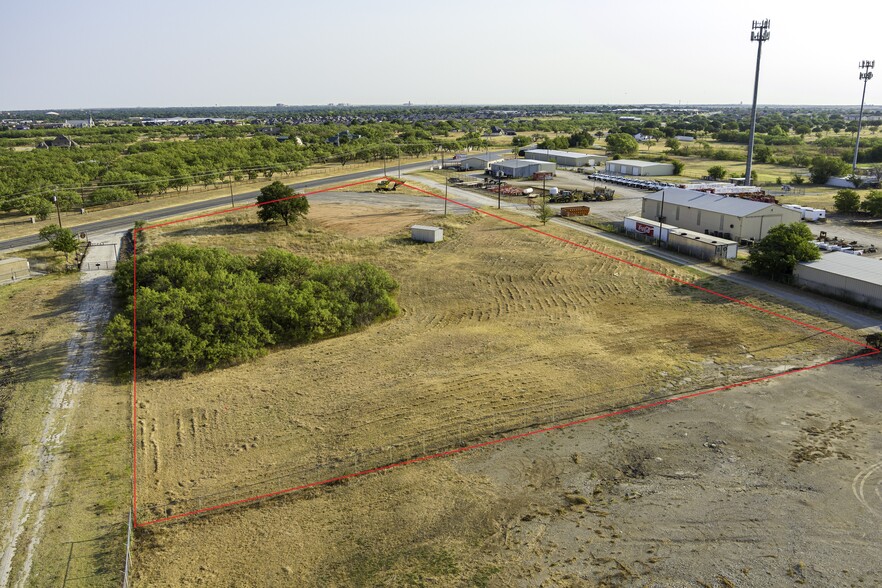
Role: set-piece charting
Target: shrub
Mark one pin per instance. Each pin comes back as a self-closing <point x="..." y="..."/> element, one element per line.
<point x="199" y="309"/>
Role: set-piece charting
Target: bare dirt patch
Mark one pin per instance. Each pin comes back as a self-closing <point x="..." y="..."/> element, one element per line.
<point x="699" y="493"/>
<point x="501" y="329"/>
<point x="364" y="221"/>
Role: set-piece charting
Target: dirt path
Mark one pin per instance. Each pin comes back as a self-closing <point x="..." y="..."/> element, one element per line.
<point x="23" y="531"/>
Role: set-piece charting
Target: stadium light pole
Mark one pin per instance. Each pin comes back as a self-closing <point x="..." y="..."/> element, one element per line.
<point x="866" y="76"/>
<point x="759" y="33"/>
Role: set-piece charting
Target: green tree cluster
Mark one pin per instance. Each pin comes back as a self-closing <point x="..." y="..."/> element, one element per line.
<point x="782" y="248"/>
<point x="822" y="168"/>
<point x="203" y="308"/>
<point x="847" y="201"/>
<point x="61" y="240"/>
<point x="280" y="201"/>
<point x="620" y="144"/>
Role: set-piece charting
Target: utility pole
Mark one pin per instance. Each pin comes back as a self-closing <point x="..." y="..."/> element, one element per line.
<point x="232" y="202"/>
<point x="57" y="210"/>
<point x="760" y="34"/>
<point x="499" y="195"/>
<point x="661" y="219"/>
<point x="866" y="76"/>
<point x="446" y="182"/>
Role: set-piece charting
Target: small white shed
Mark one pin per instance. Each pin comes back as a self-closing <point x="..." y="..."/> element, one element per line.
<point x="426" y="234"/>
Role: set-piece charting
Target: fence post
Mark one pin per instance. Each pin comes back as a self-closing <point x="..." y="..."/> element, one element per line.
<point x="128" y="565"/>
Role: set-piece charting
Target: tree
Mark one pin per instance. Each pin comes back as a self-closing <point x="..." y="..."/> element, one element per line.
<point x="823" y="168"/>
<point x="673" y="144"/>
<point x="620" y="144"/>
<point x="111" y="194"/>
<point x="280" y="201"/>
<point x="782" y="248"/>
<point x="61" y="240"/>
<point x="545" y="213"/>
<point x="763" y="154"/>
<point x="678" y="166"/>
<point x="520" y="141"/>
<point x="36" y="206"/>
<point x="581" y="138"/>
<point x="847" y="201"/>
<point x="717" y="172"/>
<point x="872" y="203"/>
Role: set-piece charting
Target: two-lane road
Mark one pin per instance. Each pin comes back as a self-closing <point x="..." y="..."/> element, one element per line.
<point x="194" y="208"/>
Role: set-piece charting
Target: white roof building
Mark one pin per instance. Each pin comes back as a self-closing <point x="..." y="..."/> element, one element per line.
<point x="842" y="275"/>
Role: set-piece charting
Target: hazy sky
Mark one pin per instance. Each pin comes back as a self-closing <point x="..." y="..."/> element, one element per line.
<point x="103" y="53"/>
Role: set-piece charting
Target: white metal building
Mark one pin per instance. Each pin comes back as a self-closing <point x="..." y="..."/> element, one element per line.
<point x="635" y="167"/>
<point x="426" y="234"/>
<point x="842" y="275"/>
<point x="682" y="240"/>
<point x="701" y="246"/>
<point x="479" y="161"/>
<point x="521" y="168"/>
<point x="718" y="215"/>
<point x="645" y="228"/>
<point x="565" y="158"/>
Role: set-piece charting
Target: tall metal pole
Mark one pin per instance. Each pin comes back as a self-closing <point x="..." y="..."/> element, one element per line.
<point x="232" y="202"/>
<point x="865" y="75"/>
<point x="446" y="182"/>
<point x="760" y="34"/>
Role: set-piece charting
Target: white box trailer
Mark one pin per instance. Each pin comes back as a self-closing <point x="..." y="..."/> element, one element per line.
<point x="426" y="234"/>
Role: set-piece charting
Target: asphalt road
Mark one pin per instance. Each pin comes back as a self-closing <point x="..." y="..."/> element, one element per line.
<point x="126" y="222"/>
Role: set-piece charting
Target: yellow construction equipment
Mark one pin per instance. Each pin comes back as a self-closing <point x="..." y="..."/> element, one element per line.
<point x="388" y="185"/>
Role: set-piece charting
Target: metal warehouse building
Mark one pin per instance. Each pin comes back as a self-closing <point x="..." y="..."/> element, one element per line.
<point x="714" y="214"/>
<point x="565" y="158"/>
<point x="479" y="161"/>
<point x="842" y="275"/>
<point x="521" y="168"/>
<point x="634" y="167"/>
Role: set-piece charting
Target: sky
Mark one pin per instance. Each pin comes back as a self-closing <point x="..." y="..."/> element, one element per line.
<point x="63" y="54"/>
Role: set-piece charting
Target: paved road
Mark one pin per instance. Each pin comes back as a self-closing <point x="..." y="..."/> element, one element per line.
<point x="841" y="313"/>
<point x="126" y="222"/>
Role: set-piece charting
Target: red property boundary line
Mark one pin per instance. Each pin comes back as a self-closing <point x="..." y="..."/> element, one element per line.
<point x="868" y="351"/>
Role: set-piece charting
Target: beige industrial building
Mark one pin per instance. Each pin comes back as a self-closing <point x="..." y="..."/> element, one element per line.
<point x="521" y="168"/>
<point x="565" y="158"/>
<point x="635" y="167"/>
<point x="480" y="161"/>
<point x="845" y="276"/>
<point x="728" y="217"/>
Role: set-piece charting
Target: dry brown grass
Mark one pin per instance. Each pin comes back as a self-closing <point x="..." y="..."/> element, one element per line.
<point x="500" y="329"/>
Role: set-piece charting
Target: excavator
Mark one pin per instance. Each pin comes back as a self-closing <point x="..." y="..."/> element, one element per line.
<point x="388" y="185"/>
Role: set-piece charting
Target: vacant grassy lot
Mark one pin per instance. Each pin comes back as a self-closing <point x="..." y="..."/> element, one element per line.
<point x="500" y="329"/>
<point x="82" y="533"/>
